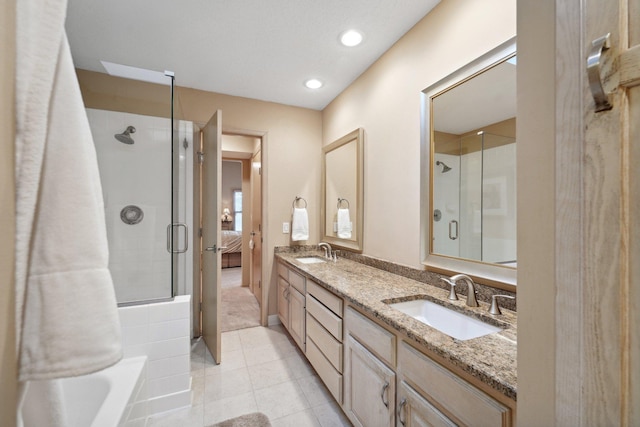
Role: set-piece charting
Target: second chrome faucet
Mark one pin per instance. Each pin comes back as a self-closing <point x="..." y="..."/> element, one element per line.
<point x="472" y="301"/>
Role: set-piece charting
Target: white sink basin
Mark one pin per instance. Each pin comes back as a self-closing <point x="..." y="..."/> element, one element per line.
<point x="452" y="323"/>
<point x="310" y="260"/>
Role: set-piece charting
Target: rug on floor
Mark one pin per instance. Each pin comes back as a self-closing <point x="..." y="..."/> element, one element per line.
<point x="239" y="308"/>
<point x="256" y="419"/>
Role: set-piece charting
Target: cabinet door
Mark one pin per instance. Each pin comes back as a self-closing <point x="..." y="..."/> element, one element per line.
<point x="415" y="411"/>
<point x="297" y="317"/>
<point x="283" y="302"/>
<point x="369" y="388"/>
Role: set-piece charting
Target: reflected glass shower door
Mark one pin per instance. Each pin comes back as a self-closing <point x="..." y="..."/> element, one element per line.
<point x="471" y="152"/>
<point x="457" y="198"/>
<point x="499" y="200"/>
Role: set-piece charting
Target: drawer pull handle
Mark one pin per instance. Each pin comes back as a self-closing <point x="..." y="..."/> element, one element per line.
<point x="384" y="389"/>
<point x="400" y="409"/>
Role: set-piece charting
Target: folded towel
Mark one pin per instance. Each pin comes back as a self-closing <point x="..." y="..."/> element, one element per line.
<point x="300" y="225"/>
<point x="344" y="224"/>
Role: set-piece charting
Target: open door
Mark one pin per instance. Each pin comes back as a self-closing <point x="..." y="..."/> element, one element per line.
<point x="211" y="231"/>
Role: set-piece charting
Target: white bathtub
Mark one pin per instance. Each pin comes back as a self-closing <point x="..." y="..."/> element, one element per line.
<point x="105" y="398"/>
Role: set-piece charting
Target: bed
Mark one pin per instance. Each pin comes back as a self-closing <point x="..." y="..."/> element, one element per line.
<point x="232" y="255"/>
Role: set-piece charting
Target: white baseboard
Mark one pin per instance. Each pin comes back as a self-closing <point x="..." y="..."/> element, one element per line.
<point x="273" y="320"/>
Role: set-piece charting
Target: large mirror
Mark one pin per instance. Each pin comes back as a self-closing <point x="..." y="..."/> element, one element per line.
<point x="342" y="191"/>
<point x="469" y="170"/>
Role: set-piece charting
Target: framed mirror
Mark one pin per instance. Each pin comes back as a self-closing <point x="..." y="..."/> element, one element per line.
<point x="342" y="208"/>
<point x="468" y="170"/>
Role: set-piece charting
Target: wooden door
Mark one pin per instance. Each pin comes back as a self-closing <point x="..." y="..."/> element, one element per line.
<point x="296" y="317"/>
<point x="211" y="231"/>
<point x="283" y="302"/>
<point x="369" y="388"/>
<point x="612" y="219"/>
<point x="256" y="227"/>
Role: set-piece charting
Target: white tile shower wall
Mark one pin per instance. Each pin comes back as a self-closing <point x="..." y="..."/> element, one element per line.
<point x="161" y="331"/>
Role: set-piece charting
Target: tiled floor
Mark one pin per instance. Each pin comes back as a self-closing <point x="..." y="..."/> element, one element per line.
<point x="262" y="370"/>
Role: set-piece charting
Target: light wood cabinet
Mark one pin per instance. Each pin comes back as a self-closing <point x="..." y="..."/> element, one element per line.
<point x="297" y="317"/>
<point x="462" y="401"/>
<point x="291" y="304"/>
<point x="428" y="393"/>
<point x="373" y="371"/>
<point x="370" y="390"/>
<point x="415" y="411"/>
<point x="324" y="336"/>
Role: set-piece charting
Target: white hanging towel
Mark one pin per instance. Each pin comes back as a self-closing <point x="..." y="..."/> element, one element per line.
<point x="66" y="312"/>
<point x="344" y="224"/>
<point x="300" y="225"/>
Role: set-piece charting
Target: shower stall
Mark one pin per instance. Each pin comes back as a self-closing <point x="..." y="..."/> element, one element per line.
<point x="474" y="198"/>
<point x="146" y="172"/>
<point x="144" y="177"/>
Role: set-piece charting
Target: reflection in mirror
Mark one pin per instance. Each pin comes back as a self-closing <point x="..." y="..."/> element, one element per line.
<point x="342" y="191"/>
<point x="469" y="165"/>
<point x="474" y="193"/>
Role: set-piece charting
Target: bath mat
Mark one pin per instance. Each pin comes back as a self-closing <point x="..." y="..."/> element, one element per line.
<point x="256" y="419"/>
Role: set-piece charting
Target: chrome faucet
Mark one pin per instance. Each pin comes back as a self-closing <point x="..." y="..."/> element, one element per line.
<point x="472" y="301"/>
<point x="327" y="249"/>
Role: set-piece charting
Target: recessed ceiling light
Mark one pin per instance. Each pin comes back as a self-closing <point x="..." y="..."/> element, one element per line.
<point x="351" y="38"/>
<point x="313" y="84"/>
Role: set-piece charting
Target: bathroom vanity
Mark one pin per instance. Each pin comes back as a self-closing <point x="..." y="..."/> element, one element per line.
<point x="385" y="367"/>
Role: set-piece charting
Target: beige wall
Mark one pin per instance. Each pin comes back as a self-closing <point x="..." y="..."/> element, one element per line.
<point x="7" y="217"/>
<point x="385" y="101"/>
<point x="536" y="231"/>
<point x="291" y="145"/>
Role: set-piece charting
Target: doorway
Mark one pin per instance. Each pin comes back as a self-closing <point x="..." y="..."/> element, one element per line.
<point x="243" y="267"/>
<point x="239" y="307"/>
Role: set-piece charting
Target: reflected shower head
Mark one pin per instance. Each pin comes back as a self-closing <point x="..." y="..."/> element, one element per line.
<point x="445" y="168"/>
<point x="124" y="136"/>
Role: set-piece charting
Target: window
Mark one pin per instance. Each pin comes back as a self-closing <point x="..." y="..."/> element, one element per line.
<point x="237" y="210"/>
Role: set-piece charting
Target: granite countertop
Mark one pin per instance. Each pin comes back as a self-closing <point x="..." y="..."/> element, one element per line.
<point x="491" y="358"/>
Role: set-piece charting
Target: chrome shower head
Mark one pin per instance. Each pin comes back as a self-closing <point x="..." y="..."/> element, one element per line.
<point x="445" y="168"/>
<point x="125" y="137"/>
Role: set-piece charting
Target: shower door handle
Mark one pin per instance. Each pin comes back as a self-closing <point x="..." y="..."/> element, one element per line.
<point x="170" y="238"/>
<point x="451" y="235"/>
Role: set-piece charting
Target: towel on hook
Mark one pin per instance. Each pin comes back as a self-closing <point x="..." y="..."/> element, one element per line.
<point x="344" y="224"/>
<point x="300" y="225"/>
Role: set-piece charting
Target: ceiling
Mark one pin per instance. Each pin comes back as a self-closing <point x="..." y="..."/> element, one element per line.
<point x="261" y="49"/>
<point x="487" y="98"/>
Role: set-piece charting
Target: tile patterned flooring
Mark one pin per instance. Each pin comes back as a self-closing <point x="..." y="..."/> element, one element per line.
<point x="262" y="370"/>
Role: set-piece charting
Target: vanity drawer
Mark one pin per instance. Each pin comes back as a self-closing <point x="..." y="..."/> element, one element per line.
<point x="470" y="405"/>
<point x="330" y="377"/>
<point x="283" y="271"/>
<point x="325" y="317"/>
<point x="330" y="347"/>
<point x="297" y="281"/>
<point x="378" y="340"/>
<point x="334" y="303"/>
